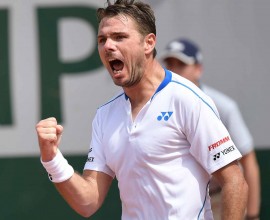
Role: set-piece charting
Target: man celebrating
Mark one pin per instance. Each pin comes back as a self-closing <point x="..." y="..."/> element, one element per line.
<point x="154" y="136"/>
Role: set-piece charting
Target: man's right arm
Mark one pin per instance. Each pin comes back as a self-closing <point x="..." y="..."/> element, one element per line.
<point x="252" y="175"/>
<point x="84" y="193"/>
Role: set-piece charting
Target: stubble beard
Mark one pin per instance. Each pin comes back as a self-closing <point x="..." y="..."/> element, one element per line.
<point x="136" y="74"/>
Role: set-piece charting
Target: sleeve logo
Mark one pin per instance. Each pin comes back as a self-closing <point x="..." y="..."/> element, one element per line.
<point x="223" y="152"/>
<point x="218" y="143"/>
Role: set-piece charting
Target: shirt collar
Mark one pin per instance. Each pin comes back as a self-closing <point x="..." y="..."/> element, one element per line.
<point x="167" y="79"/>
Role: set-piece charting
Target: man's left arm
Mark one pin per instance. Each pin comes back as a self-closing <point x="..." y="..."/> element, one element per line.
<point x="252" y="175"/>
<point x="234" y="191"/>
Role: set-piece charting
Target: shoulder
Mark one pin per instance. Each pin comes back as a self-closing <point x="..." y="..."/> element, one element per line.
<point x="188" y="92"/>
<point x="105" y="111"/>
<point x="114" y="101"/>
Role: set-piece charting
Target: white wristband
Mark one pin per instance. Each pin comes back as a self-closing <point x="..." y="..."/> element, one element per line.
<point x="58" y="168"/>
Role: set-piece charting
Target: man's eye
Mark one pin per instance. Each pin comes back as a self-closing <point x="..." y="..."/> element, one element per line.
<point x="120" y="37"/>
<point x="101" y="41"/>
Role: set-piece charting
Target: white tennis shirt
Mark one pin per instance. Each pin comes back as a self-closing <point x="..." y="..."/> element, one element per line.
<point x="163" y="159"/>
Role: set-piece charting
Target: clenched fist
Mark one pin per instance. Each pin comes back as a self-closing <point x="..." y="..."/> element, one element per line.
<point x="49" y="135"/>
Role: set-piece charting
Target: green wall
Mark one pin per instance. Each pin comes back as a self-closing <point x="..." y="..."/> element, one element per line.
<point x="27" y="194"/>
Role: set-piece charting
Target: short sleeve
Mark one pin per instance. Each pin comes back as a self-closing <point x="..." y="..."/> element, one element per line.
<point x="96" y="158"/>
<point x="210" y="141"/>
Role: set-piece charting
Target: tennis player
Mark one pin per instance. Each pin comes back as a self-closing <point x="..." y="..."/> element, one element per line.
<point x="161" y="136"/>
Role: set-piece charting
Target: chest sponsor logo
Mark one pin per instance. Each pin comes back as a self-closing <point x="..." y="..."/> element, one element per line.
<point x="219" y="143"/>
<point x="223" y="153"/>
<point x="90" y="159"/>
<point x="164" y="116"/>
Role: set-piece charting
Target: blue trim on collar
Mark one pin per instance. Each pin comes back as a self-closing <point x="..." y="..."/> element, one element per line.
<point x="126" y="97"/>
<point x="165" y="82"/>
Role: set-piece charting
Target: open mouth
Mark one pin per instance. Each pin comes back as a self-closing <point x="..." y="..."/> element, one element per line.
<point x="116" y="65"/>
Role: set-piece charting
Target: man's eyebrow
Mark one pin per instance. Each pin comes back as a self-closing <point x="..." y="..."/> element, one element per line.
<point x="113" y="34"/>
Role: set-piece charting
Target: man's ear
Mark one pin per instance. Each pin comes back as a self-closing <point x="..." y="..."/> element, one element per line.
<point x="150" y="43"/>
<point x="199" y="70"/>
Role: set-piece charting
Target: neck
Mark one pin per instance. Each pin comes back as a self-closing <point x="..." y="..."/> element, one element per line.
<point x="141" y="93"/>
<point x="145" y="89"/>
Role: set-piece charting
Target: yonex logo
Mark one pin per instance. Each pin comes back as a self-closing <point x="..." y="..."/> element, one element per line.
<point x="228" y="150"/>
<point x="224" y="152"/>
<point x="165" y="116"/>
<point x="216" y="156"/>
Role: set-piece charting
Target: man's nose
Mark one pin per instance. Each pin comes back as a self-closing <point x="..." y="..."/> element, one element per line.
<point x="109" y="45"/>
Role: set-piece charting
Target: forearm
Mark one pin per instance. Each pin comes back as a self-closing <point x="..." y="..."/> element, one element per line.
<point x="84" y="194"/>
<point x="253" y="205"/>
<point x="234" y="191"/>
<point x="234" y="200"/>
<point x="252" y="176"/>
<point x="80" y="194"/>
